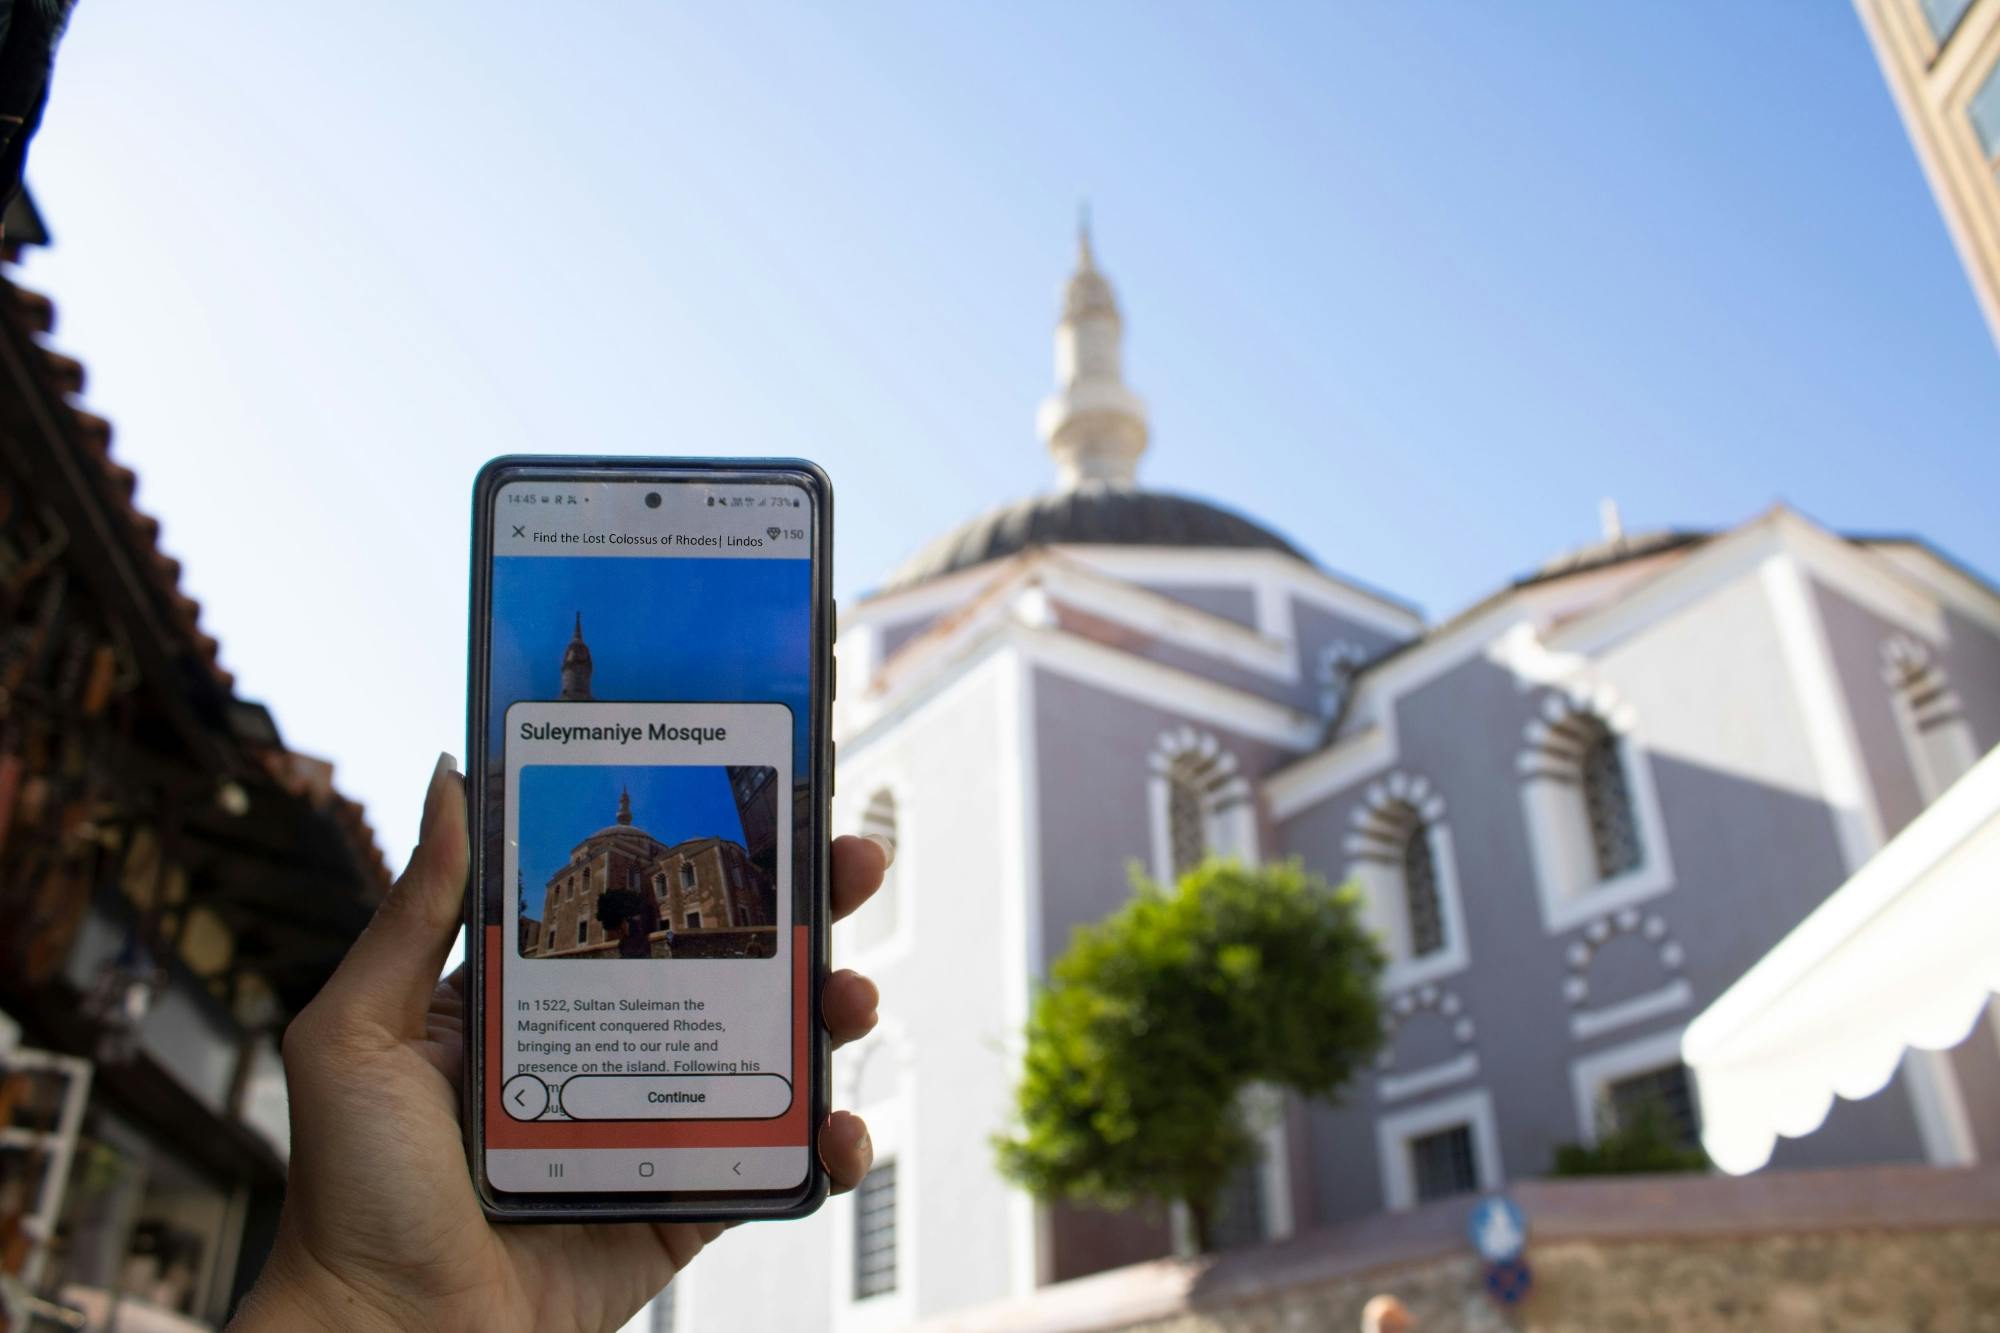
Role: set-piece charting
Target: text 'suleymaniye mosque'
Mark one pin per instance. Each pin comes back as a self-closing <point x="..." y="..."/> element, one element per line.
<point x="1578" y="811"/>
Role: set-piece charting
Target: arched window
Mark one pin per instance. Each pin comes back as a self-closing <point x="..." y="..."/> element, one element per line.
<point x="877" y="919"/>
<point x="1420" y="890"/>
<point x="1201" y="804"/>
<point x="1400" y="850"/>
<point x="1607" y="799"/>
<point x="1935" y="733"/>
<point x="1187" y="831"/>
<point x="1593" y="819"/>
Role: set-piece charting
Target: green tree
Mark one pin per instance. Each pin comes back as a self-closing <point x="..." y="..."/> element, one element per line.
<point x="1155" y="1021"/>
<point x="615" y="907"/>
<point x="1644" y="1140"/>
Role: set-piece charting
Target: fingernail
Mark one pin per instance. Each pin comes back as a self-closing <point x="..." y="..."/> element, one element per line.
<point x="888" y="846"/>
<point x="446" y="765"/>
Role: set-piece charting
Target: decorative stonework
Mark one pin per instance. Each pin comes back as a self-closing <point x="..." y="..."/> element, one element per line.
<point x="1910" y="669"/>
<point x="1583" y="950"/>
<point x="1200" y="802"/>
<point x="1400" y="1009"/>
<point x="1555" y="742"/>
<point x="1198" y="757"/>
<point x="1387" y="812"/>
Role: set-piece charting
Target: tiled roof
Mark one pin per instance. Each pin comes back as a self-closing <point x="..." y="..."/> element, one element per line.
<point x="303" y="777"/>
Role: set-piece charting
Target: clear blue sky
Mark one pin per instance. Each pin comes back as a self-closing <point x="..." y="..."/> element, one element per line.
<point x="561" y="805"/>
<point x="671" y="630"/>
<point x="1416" y="283"/>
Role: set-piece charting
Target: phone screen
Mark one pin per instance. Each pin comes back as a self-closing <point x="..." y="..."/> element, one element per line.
<point x="647" y="877"/>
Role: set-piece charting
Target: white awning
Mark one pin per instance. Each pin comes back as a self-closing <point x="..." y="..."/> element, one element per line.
<point x="1905" y="954"/>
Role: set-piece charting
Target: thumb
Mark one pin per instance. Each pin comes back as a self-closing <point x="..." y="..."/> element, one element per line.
<point x="387" y="978"/>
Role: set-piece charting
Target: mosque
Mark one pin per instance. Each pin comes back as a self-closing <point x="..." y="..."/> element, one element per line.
<point x="1577" y="810"/>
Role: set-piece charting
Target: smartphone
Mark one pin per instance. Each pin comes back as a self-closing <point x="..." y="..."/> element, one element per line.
<point x="649" y="771"/>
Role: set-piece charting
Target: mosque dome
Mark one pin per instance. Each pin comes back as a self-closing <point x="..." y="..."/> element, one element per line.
<point x="1093" y="513"/>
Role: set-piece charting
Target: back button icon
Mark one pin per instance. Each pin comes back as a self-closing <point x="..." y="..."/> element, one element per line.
<point x="525" y="1096"/>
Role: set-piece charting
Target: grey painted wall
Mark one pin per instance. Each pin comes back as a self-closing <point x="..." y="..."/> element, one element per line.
<point x="1237" y="604"/>
<point x="1751" y="859"/>
<point x="1971" y="659"/>
<point x="1092" y="748"/>
<point x="1855" y="637"/>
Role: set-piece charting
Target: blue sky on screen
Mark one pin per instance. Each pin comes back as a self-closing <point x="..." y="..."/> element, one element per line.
<point x="562" y="804"/>
<point x="716" y="630"/>
<point x="1415" y="283"/>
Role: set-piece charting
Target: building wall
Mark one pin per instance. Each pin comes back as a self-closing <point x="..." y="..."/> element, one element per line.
<point x="1752" y="848"/>
<point x="952" y="976"/>
<point x="1933" y="78"/>
<point x="1096" y="818"/>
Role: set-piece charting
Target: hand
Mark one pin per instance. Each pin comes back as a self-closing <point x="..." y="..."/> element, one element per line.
<point x="381" y="1227"/>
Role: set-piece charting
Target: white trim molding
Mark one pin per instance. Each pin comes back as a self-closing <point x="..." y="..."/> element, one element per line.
<point x="1591" y="1075"/>
<point x="1943" y="1125"/>
<point x="1566" y="879"/>
<point x="1392" y="811"/>
<point x="1394" y="1132"/>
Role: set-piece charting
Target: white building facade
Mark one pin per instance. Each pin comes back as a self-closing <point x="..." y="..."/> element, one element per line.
<point x="1578" y="811"/>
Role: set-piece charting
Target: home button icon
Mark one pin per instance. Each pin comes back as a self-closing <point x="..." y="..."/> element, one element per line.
<point x="645" y="1168"/>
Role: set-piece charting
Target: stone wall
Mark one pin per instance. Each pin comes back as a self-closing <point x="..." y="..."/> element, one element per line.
<point x="1874" y="1250"/>
<point x="1858" y="1282"/>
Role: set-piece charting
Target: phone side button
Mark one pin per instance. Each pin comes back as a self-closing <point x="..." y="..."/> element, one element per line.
<point x="832" y="769"/>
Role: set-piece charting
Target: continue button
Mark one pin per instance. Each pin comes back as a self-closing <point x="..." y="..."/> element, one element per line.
<point x="693" y="1097"/>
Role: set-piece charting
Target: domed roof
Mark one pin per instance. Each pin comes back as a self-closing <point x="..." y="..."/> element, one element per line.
<point x="1088" y="515"/>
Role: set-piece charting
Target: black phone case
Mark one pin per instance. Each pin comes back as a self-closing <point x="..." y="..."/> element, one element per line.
<point x="687" y="1206"/>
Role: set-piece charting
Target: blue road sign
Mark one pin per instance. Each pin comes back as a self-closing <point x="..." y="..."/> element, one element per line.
<point x="1498" y="1228"/>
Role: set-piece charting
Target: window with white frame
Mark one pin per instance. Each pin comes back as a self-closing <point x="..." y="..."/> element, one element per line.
<point x="1593" y="819"/>
<point x="1444" y="1162"/>
<point x="876" y="921"/>
<point x="1444" y="1147"/>
<point x="1607" y="799"/>
<point x="1201" y="803"/>
<point x="875" y="1232"/>
<point x="1401" y="856"/>
<point x="1666" y="1089"/>
<point x="1935" y="731"/>
<point x="1612" y="1084"/>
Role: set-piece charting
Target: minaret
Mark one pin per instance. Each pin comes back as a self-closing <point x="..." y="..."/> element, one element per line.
<point x="1092" y="423"/>
<point x="576" y="665"/>
<point x="624" y="805"/>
